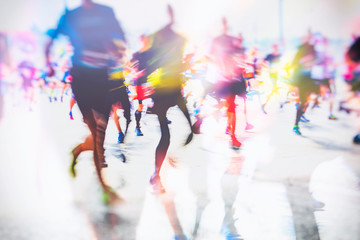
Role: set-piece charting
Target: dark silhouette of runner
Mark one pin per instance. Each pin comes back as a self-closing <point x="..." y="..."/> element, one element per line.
<point x="92" y="29"/>
<point x="166" y="52"/>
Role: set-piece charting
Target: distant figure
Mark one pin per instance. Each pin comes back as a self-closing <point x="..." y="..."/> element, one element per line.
<point x="231" y="82"/>
<point x="27" y="72"/>
<point x="140" y="60"/>
<point x="273" y="60"/>
<point x="302" y="64"/>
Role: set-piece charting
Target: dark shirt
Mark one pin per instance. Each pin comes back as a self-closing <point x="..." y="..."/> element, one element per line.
<point x="91" y="32"/>
<point x="273" y="61"/>
<point x="272" y="58"/>
<point x="304" y="50"/>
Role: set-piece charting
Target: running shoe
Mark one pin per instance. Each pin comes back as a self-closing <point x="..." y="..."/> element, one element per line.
<point x="296" y="130"/>
<point x="121" y="137"/>
<point x="235" y="143"/>
<point x="230" y="233"/>
<point x="71" y="115"/>
<point x="109" y="196"/>
<point x="75" y="152"/>
<point x="249" y="126"/>
<point x="332" y="117"/>
<point x="233" y="236"/>
<point x="318" y="205"/>
<point x="304" y="119"/>
<point x="180" y="237"/>
<point x="138" y="132"/>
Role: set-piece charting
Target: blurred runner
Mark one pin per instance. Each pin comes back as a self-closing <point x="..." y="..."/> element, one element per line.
<point x="92" y="29"/>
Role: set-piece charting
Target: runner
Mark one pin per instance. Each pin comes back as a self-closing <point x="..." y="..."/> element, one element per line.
<point x="118" y="93"/>
<point x="323" y="72"/>
<point x="230" y="82"/>
<point x="140" y="60"/>
<point x="167" y="51"/>
<point x="27" y="72"/>
<point x="273" y="61"/>
<point x="302" y="64"/>
<point x="92" y="29"/>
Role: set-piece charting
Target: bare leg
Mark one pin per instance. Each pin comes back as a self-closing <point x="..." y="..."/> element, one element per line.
<point x="161" y="151"/>
<point x="116" y="118"/>
<point x="182" y="105"/>
<point x="87" y="145"/>
<point x="231" y="122"/>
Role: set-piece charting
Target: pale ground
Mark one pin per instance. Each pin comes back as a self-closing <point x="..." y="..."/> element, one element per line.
<point x="40" y="201"/>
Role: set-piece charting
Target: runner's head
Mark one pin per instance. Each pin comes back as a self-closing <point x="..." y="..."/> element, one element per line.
<point x="171" y="14"/>
<point x="224" y="25"/>
<point x="87" y="3"/>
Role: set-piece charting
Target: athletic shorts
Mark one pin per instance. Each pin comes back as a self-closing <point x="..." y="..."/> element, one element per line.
<point x="90" y="87"/>
<point x="163" y="100"/>
<point x="224" y="89"/>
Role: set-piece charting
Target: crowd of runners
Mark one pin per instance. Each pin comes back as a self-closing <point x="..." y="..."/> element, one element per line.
<point x="96" y="70"/>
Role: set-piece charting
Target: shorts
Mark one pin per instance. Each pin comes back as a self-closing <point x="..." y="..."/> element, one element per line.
<point x="165" y="99"/>
<point x="90" y="87"/>
<point x="304" y="82"/>
<point x="224" y="89"/>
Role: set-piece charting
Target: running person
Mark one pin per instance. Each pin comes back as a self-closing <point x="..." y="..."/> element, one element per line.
<point x="167" y="51"/>
<point x="118" y="94"/>
<point x="273" y="60"/>
<point x="302" y="63"/>
<point x="91" y="29"/>
<point x="323" y="72"/>
<point x="27" y="72"/>
<point x="231" y="82"/>
<point x="140" y="59"/>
